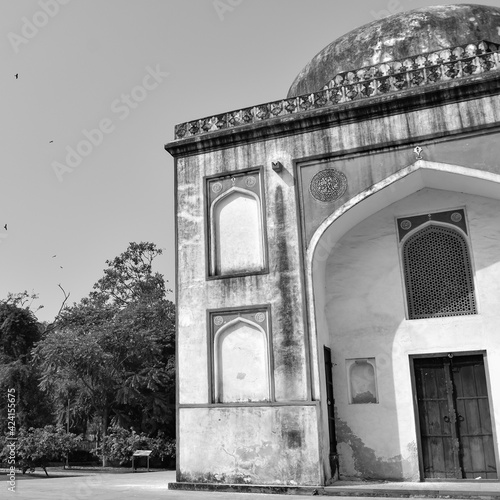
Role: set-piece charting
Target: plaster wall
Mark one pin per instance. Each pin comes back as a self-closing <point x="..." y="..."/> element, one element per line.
<point x="364" y="306"/>
<point x="197" y="294"/>
<point x="259" y="445"/>
<point x="297" y="370"/>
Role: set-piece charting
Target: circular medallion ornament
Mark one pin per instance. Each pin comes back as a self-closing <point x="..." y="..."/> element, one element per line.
<point x="456" y="217"/>
<point x="260" y="317"/>
<point x="328" y="185"/>
<point x="405" y="225"/>
<point x="250" y="181"/>
<point x="216" y="187"/>
<point x="218" y="320"/>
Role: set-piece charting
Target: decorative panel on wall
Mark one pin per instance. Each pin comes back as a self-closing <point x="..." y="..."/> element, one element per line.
<point x="236" y="228"/>
<point x="241" y="359"/>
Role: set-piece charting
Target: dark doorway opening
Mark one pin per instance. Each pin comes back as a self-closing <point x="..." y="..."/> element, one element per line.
<point x="456" y="438"/>
<point x="330" y="401"/>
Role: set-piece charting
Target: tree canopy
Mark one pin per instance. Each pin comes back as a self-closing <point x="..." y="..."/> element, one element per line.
<point x="112" y="354"/>
<point x="19" y="331"/>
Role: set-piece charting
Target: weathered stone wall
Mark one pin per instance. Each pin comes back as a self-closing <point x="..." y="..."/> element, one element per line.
<point x="223" y="428"/>
<point x="387" y="127"/>
<point x="252" y="445"/>
<point x="196" y="294"/>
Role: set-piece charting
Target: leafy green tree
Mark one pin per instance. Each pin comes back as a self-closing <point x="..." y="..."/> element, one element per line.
<point x="19" y="331"/>
<point x="116" y="347"/>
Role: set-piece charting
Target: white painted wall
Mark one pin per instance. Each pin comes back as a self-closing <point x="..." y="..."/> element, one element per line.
<point x="364" y="308"/>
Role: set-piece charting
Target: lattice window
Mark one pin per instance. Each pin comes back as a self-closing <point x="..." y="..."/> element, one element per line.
<point x="438" y="274"/>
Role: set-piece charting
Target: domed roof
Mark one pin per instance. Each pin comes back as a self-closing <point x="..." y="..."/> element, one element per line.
<point x="399" y="36"/>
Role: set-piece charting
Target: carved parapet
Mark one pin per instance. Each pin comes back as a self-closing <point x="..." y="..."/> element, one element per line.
<point x="389" y="77"/>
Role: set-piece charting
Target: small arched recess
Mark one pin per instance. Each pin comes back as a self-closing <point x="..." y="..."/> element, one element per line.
<point x="236" y="233"/>
<point x="241" y="363"/>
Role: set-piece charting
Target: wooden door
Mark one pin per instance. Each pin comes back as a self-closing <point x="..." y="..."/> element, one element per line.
<point x="333" y="456"/>
<point x="454" y="416"/>
<point x="473" y="416"/>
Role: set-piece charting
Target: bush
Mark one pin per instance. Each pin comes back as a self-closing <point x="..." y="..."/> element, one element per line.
<point x="163" y="447"/>
<point x="120" y="445"/>
<point x="37" y="447"/>
<point x="82" y="457"/>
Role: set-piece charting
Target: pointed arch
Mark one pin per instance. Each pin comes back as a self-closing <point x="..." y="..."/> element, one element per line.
<point x="241" y="363"/>
<point x="437" y="272"/>
<point x="408" y="180"/>
<point x="236" y="233"/>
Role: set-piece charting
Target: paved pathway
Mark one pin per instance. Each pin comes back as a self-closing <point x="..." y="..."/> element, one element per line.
<point x="93" y="485"/>
<point x="104" y="486"/>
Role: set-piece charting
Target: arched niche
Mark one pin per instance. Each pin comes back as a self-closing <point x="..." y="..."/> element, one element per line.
<point x="241" y="361"/>
<point x="236" y="231"/>
<point x="362" y="383"/>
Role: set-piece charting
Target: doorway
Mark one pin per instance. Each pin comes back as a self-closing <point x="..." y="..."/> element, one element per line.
<point x="453" y="413"/>
<point x="330" y="401"/>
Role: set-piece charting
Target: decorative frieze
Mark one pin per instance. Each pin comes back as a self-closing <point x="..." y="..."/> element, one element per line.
<point x="389" y="77"/>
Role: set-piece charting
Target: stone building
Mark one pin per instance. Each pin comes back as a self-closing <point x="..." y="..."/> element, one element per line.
<point x="338" y="265"/>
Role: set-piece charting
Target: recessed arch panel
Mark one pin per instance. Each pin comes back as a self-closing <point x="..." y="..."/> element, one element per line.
<point x="241" y="363"/>
<point x="237" y="233"/>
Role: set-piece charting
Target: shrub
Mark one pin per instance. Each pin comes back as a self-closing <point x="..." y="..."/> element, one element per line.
<point x="120" y="444"/>
<point x="37" y="447"/>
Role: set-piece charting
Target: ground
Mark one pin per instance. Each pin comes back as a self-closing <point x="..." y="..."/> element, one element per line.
<point x="125" y="485"/>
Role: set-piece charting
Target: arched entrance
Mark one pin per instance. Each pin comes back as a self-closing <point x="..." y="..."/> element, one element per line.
<point x="356" y="308"/>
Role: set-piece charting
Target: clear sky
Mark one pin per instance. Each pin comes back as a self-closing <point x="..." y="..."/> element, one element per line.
<point x="100" y="86"/>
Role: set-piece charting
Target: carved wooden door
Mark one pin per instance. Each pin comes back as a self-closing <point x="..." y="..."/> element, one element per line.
<point x="454" y="415"/>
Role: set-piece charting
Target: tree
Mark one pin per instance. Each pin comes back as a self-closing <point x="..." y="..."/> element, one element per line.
<point x="116" y="347"/>
<point x="130" y="279"/>
<point x="19" y="331"/>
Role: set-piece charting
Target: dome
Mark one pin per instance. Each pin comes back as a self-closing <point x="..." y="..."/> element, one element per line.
<point x="399" y="36"/>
